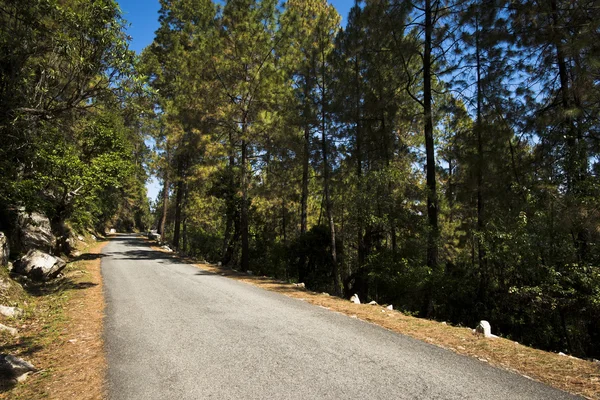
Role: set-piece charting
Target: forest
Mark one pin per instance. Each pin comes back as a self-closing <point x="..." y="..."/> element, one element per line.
<point x="437" y="155"/>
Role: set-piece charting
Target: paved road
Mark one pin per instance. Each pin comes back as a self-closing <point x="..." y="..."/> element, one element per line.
<point x="173" y="331"/>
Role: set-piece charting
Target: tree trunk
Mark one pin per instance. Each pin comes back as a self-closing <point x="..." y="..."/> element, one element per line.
<point x="360" y="228"/>
<point x="244" y="210"/>
<point x="432" y="206"/>
<point x="163" y="222"/>
<point x="178" y="205"/>
<point x="328" y="205"/>
<point x="227" y="250"/>
<point x="478" y="128"/>
<point x="305" y="155"/>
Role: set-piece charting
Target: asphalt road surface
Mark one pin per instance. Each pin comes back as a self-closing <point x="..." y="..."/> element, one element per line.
<point x="173" y="331"/>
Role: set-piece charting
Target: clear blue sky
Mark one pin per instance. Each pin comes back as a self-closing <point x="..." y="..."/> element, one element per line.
<point x="142" y="15"/>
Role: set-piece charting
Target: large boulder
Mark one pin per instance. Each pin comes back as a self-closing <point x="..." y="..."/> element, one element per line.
<point x="35" y="232"/>
<point x="39" y="265"/>
<point x="4" y="249"/>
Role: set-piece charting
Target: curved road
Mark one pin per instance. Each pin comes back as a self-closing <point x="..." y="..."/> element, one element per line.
<point x="173" y="331"/>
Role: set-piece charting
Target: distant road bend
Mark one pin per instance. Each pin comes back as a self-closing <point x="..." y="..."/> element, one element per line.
<point x="173" y="331"/>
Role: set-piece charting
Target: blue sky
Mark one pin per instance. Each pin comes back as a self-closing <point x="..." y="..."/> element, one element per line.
<point x="142" y="16"/>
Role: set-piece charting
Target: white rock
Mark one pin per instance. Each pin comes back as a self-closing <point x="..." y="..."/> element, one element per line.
<point x="10" y="311"/>
<point x="484" y="329"/>
<point x="166" y="248"/>
<point x="113" y="231"/>
<point x="562" y="354"/>
<point x="444" y="323"/>
<point x="8" y="329"/>
<point x="325" y="294"/>
<point x="390" y="307"/>
<point x="355" y="299"/>
<point x="372" y="303"/>
<point x="39" y="265"/>
<point x="219" y="263"/>
<point x="80" y="238"/>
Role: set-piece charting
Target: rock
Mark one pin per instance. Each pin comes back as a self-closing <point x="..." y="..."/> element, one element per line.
<point x="166" y="248"/>
<point x="300" y="285"/>
<point x="250" y="273"/>
<point x="373" y="303"/>
<point x="219" y="263"/>
<point x="8" y="329"/>
<point x="35" y="232"/>
<point x="154" y="236"/>
<point x="113" y="231"/>
<point x="80" y="238"/>
<point x="325" y="294"/>
<point x="75" y="253"/>
<point x="355" y="299"/>
<point x="94" y="237"/>
<point x="562" y="354"/>
<point x="4" y="249"/>
<point x="11" y="311"/>
<point x="390" y="307"/>
<point x="484" y="329"/>
<point x="39" y="265"/>
<point x="444" y="323"/>
<point x="14" y="368"/>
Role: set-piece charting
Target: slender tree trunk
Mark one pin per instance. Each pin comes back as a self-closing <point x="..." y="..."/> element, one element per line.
<point x="227" y="251"/>
<point x="163" y="222"/>
<point x="178" y="205"/>
<point x="326" y="188"/>
<point x="185" y="218"/>
<point x="305" y="163"/>
<point x="244" y="211"/>
<point x="478" y="128"/>
<point x="360" y="228"/>
<point x="432" y="203"/>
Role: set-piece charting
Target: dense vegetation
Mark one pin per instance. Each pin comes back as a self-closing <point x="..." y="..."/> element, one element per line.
<point x="70" y="127"/>
<point x="440" y="156"/>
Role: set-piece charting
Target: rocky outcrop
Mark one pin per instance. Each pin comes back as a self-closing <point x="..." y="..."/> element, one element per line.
<point x="4" y="249"/>
<point x="39" y="266"/>
<point x="35" y="232"/>
<point x="13" y="368"/>
<point x="355" y="299"/>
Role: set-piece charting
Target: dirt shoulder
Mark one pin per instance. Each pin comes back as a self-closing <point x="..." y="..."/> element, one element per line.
<point x="563" y="372"/>
<point x="61" y="334"/>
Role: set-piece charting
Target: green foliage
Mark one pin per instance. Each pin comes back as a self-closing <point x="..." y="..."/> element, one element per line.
<point x="271" y="122"/>
<point x="70" y="148"/>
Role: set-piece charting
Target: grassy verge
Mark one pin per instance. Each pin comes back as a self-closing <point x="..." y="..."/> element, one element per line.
<point x="60" y="332"/>
<point x="567" y="373"/>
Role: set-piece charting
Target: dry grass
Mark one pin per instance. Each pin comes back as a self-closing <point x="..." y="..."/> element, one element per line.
<point x="61" y="334"/>
<point x="567" y="373"/>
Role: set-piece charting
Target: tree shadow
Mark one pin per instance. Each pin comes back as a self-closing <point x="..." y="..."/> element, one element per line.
<point x="88" y="257"/>
<point x="54" y="286"/>
<point x="145" y="255"/>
